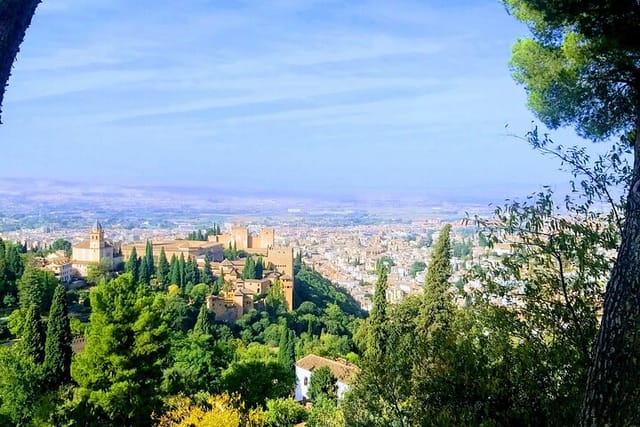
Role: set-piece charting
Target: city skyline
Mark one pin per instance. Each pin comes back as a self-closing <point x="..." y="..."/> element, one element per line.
<point x="319" y="96"/>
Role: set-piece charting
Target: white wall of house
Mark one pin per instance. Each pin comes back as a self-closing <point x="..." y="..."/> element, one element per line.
<point x="342" y="387"/>
<point x="303" y="380"/>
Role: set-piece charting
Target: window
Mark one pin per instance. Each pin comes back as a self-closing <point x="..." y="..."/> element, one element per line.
<point x="306" y="380"/>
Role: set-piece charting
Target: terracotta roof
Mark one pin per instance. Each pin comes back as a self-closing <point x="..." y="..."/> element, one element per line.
<point x="343" y="371"/>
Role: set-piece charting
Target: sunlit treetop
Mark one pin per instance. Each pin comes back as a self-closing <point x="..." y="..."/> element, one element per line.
<point x="582" y="65"/>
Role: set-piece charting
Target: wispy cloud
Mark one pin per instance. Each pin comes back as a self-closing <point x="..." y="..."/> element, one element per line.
<point x="345" y="75"/>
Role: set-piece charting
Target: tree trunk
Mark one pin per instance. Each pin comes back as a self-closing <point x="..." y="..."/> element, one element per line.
<point x="613" y="389"/>
<point x="15" y="18"/>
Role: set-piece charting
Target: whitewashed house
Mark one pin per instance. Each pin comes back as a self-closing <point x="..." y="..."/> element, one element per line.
<point x="341" y="369"/>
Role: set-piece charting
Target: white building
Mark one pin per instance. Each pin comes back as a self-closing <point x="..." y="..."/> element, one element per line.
<point x="62" y="271"/>
<point x="59" y="264"/>
<point x="342" y="370"/>
<point x="93" y="251"/>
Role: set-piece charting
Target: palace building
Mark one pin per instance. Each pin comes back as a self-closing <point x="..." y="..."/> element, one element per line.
<point x="93" y="251"/>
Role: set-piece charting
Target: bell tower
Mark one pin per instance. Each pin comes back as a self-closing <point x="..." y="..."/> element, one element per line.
<point x="96" y="240"/>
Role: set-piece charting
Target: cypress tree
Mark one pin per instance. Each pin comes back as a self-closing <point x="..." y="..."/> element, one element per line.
<point x="57" y="352"/>
<point x="258" y="269"/>
<point x="33" y="339"/>
<point x="189" y="272"/>
<point x="249" y="270"/>
<point x="219" y="283"/>
<point x="376" y="346"/>
<point x="283" y="346"/>
<point x="203" y="323"/>
<point x="439" y="270"/>
<point x="174" y="271"/>
<point x="14" y="267"/>
<point x="287" y="348"/>
<point x="181" y="271"/>
<point x="133" y="265"/>
<point x="196" y="272"/>
<point x="148" y="257"/>
<point x="207" y="274"/>
<point x="163" y="270"/>
<point x="437" y="308"/>
<point x="291" y="349"/>
<point x="144" y="275"/>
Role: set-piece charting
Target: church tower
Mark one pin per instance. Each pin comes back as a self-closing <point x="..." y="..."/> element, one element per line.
<point x="96" y="240"/>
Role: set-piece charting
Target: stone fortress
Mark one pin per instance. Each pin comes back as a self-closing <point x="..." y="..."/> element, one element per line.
<point x="239" y="296"/>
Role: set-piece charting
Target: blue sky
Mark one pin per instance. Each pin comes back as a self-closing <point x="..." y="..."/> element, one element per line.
<point x="296" y="95"/>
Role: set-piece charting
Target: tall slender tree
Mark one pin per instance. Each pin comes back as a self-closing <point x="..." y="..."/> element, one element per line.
<point x="163" y="270"/>
<point x="190" y="272"/>
<point x="203" y="322"/>
<point x="196" y="272"/>
<point x="57" y="354"/>
<point x="249" y="270"/>
<point x="182" y="271"/>
<point x="286" y="348"/>
<point x="148" y="258"/>
<point x="133" y="265"/>
<point x="174" y="274"/>
<point x="376" y="336"/>
<point x="439" y="270"/>
<point x="258" y="269"/>
<point x="581" y="67"/>
<point x="33" y="339"/>
<point x="207" y="274"/>
<point x="144" y="275"/>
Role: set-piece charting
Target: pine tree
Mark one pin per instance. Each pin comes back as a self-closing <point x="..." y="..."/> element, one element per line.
<point x="33" y="339"/>
<point x="207" y="274"/>
<point x="163" y="270"/>
<point x="57" y="358"/>
<point x="118" y="373"/>
<point x="133" y="265"/>
<point x="203" y="323"/>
